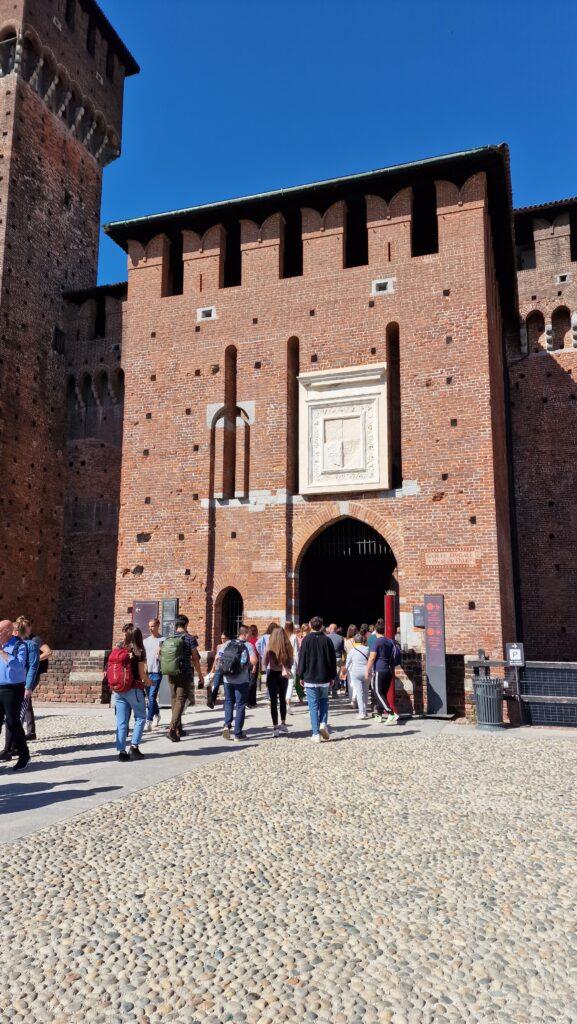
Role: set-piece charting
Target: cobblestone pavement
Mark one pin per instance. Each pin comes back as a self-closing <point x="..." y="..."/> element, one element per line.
<point x="382" y="878"/>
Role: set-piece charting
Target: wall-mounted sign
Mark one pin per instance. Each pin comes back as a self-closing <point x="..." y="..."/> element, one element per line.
<point x="515" y="654"/>
<point x="436" y="660"/>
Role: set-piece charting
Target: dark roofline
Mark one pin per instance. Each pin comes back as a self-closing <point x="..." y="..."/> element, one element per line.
<point x="553" y="205"/>
<point x="118" y="290"/>
<point x="456" y="167"/>
<point x="110" y="33"/>
<point x="114" y="227"/>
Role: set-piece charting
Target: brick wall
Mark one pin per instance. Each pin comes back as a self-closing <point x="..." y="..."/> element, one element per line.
<point x="448" y="527"/>
<point x="543" y="401"/>
<point x="58" y="128"/>
<point x="94" y="438"/>
<point x="75" y="676"/>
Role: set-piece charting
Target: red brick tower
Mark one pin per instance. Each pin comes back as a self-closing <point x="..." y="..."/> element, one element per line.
<point x="62" y="69"/>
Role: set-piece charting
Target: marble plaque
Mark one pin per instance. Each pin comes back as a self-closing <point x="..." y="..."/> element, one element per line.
<point x="343" y="430"/>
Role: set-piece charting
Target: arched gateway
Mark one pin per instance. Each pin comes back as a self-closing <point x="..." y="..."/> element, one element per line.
<point x="228" y="612"/>
<point x="344" y="574"/>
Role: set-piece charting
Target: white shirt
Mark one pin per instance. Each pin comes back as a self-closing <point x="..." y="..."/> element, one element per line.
<point x="152" y="648"/>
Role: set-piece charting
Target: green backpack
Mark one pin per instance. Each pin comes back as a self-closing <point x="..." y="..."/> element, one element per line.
<point x="171" y="652"/>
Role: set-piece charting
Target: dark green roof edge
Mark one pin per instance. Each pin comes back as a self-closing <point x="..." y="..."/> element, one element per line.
<point x="119" y="225"/>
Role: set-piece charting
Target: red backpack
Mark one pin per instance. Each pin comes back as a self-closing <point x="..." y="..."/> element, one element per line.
<point x="119" y="670"/>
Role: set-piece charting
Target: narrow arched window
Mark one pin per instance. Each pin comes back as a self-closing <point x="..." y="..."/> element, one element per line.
<point x="70" y="13"/>
<point x="356" y="234"/>
<point x="535" y="331"/>
<point x="561" y="324"/>
<point x="73" y="419"/>
<point x="90" y="408"/>
<point x="292" y="392"/>
<point x="229" y="424"/>
<point x="394" y="406"/>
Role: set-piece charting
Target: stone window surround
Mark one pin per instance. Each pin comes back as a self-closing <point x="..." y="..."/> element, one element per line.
<point x="343" y="430"/>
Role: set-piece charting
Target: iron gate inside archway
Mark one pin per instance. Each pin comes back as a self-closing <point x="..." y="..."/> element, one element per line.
<point x="345" y="573"/>
<point x="231" y="613"/>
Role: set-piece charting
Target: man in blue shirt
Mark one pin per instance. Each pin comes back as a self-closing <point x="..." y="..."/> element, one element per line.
<point x="13" y="668"/>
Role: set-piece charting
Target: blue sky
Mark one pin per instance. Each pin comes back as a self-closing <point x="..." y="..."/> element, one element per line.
<point x="242" y="97"/>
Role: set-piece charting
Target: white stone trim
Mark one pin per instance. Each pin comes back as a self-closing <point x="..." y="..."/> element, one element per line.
<point x="205" y="313"/>
<point x="259" y="501"/>
<point x="383" y="286"/>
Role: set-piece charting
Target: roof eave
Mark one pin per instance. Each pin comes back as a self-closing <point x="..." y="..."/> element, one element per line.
<point x="121" y="225"/>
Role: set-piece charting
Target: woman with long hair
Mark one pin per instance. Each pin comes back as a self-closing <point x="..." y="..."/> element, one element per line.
<point x="278" y="660"/>
<point x="132" y="699"/>
<point x="357" y="661"/>
<point x="293" y="641"/>
<point x="349" y="642"/>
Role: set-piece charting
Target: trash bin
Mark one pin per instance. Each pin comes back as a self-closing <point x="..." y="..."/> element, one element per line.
<point x="488" y="695"/>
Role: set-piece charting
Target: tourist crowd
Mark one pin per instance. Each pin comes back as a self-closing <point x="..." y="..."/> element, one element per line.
<point x="309" y="663"/>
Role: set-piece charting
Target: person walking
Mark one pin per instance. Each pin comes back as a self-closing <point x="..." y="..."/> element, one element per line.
<point x="278" y="661"/>
<point x="152" y="649"/>
<point x="254" y="676"/>
<point x="349" y="643"/>
<point x="179" y="658"/>
<point x="217" y="677"/>
<point x="383" y="657"/>
<point x="339" y="645"/>
<point x="127" y="679"/>
<point x="356" y="664"/>
<point x="317" y="668"/>
<point x="22" y="629"/>
<point x="236" y="661"/>
<point x="294" y="642"/>
<point x="13" y="667"/>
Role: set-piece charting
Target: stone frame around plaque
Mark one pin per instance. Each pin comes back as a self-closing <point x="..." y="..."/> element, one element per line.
<point x="343" y="442"/>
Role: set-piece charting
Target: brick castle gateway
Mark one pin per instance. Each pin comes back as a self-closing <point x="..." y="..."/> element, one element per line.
<point x="297" y="402"/>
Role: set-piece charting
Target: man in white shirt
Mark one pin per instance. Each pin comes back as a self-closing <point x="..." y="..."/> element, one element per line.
<point x="152" y="648"/>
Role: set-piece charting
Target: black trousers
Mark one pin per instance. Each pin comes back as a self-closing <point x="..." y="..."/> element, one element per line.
<point x="11" y="698"/>
<point x="277" y="687"/>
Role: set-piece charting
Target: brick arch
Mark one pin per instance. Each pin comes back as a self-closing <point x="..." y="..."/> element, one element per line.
<point x="326" y="515"/>
<point x="222" y="591"/>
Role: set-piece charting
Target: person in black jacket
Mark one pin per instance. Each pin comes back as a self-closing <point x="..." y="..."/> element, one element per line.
<point x="317" y="668"/>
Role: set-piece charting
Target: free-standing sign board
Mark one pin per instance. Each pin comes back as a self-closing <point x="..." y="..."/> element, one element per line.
<point x="435" y="650"/>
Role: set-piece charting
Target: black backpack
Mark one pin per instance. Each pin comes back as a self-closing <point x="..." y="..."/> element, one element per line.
<point x="234" y="658"/>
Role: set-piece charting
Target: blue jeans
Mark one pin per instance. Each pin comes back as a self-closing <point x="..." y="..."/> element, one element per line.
<point x="235" y="694"/>
<point x="318" y="701"/>
<point x="132" y="700"/>
<point x="217" y="679"/>
<point x="152" y="693"/>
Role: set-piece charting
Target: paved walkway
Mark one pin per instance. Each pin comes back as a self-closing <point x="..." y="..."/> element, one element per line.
<point x="415" y="875"/>
<point x="74" y="766"/>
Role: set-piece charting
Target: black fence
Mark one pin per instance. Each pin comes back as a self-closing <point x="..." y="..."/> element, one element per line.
<point x="548" y="693"/>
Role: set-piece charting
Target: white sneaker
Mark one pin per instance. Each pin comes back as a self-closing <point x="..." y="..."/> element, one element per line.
<point x="226" y="733"/>
<point x="324" y="731"/>
<point x="360" y="715"/>
<point x="392" y="720"/>
<point x="283" y="729"/>
<point x="316" y="738"/>
<point x="148" y="727"/>
<point x="275" y="734"/>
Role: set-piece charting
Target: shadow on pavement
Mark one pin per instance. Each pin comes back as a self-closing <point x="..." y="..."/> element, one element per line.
<point x="26" y="796"/>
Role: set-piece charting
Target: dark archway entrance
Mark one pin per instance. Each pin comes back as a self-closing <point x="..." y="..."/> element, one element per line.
<point x="345" y="574"/>
<point x="231" y="613"/>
